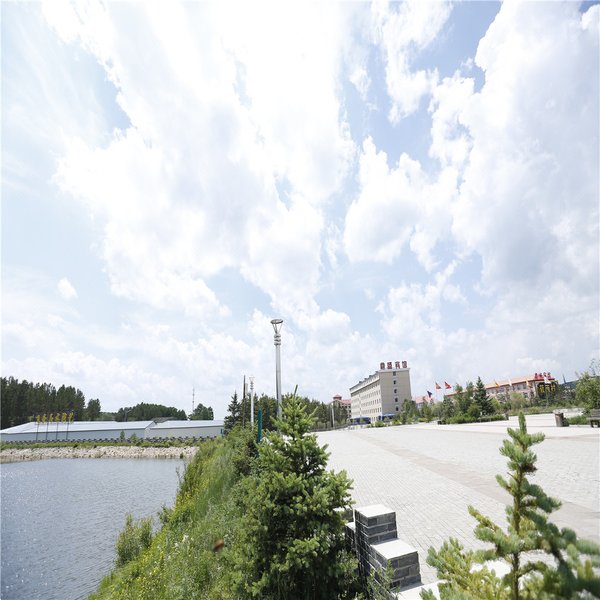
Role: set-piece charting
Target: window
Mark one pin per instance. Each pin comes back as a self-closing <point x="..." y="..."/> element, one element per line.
<point x="394" y="382"/>
<point x="395" y="391"/>
<point x="396" y="409"/>
<point x="395" y="399"/>
<point x="394" y="373"/>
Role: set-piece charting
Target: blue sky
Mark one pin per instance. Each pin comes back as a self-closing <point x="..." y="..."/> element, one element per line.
<point x="397" y="181"/>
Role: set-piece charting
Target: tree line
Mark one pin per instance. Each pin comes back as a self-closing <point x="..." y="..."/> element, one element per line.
<point x="238" y="411"/>
<point x="23" y="400"/>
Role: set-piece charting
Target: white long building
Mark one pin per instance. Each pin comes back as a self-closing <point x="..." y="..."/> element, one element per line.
<point x="110" y="430"/>
<point x="382" y="393"/>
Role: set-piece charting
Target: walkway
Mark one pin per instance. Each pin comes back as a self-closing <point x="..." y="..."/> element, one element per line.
<point x="429" y="474"/>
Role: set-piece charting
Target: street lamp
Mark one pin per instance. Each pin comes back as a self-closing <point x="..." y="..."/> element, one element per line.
<point x="251" y="400"/>
<point x="277" y="323"/>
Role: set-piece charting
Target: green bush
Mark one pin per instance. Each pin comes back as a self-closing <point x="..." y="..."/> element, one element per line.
<point x="134" y="539"/>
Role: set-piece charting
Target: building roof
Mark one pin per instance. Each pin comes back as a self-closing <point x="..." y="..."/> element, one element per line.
<point x="187" y="424"/>
<point x="78" y="426"/>
<point x="107" y="426"/>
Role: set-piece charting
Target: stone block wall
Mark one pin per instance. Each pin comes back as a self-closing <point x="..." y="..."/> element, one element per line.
<point x="373" y="536"/>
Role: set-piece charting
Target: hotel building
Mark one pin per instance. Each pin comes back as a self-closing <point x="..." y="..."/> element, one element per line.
<point x="382" y="393"/>
<point x="538" y="385"/>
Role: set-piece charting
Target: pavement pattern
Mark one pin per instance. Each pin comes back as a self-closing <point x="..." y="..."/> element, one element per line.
<point x="429" y="474"/>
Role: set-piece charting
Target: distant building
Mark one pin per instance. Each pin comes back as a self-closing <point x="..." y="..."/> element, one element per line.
<point x="110" y="430"/>
<point x="538" y="385"/>
<point x="340" y="409"/>
<point x="381" y="394"/>
<point x="422" y="401"/>
<point x="338" y="402"/>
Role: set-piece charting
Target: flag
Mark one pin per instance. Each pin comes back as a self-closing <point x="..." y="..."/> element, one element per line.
<point x="438" y="386"/>
<point x="429" y="393"/>
<point x="448" y="386"/>
<point x="564" y="380"/>
<point x="497" y="384"/>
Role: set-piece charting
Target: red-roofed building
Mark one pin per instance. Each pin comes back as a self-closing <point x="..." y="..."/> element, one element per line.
<point x="530" y="386"/>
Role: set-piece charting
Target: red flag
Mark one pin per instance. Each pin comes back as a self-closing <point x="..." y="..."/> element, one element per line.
<point x="438" y="386"/>
<point x="448" y="386"/>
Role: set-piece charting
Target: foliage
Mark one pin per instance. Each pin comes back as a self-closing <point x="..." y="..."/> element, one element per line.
<point x="481" y="398"/>
<point x="447" y="409"/>
<point x="181" y="562"/>
<point x="23" y="400"/>
<point x="93" y="410"/>
<point x="134" y="539"/>
<point x="427" y="412"/>
<point x="587" y="390"/>
<point x="202" y="413"/>
<point x="293" y="540"/>
<point x="234" y="416"/>
<point x="146" y="412"/>
<point x="529" y="534"/>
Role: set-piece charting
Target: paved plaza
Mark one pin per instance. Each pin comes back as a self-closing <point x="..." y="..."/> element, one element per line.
<point x="430" y="473"/>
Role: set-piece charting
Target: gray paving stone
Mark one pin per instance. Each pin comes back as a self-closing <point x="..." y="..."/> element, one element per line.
<point x="428" y="475"/>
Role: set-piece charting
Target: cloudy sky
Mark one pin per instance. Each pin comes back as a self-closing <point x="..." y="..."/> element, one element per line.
<point x="414" y="181"/>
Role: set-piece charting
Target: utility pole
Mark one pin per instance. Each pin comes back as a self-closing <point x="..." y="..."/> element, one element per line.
<point x="252" y="401"/>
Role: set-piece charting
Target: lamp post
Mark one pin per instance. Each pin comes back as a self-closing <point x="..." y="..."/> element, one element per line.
<point x="277" y="323"/>
<point x="251" y="400"/>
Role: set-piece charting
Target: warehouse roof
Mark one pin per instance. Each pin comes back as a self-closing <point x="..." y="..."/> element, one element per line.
<point x="78" y="426"/>
<point x="187" y="424"/>
<point x="108" y="426"/>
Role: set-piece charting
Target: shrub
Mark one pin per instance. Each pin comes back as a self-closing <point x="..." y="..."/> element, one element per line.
<point x="292" y="542"/>
<point x="134" y="539"/>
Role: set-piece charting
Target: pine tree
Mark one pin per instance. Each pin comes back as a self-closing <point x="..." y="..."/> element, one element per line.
<point x="294" y="540"/>
<point x="529" y="534"/>
<point x="481" y="398"/>
<point x="235" y="413"/>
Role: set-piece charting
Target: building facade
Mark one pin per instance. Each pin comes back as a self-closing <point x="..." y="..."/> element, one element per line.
<point x="538" y="385"/>
<point x="381" y="394"/>
<point x="110" y="430"/>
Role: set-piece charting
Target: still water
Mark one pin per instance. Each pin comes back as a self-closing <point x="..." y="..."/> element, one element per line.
<point x="60" y="519"/>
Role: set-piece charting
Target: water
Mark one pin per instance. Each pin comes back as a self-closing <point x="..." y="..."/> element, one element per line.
<point x="60" y="520"/>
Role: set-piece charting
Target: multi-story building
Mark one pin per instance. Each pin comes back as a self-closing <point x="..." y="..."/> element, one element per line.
<point x="530" y="386"/>
<point x="381" y="394"/>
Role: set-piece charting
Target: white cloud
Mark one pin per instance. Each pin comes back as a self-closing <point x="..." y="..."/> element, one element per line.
<point x="397" y="207"/>
<point x="528" y="203"/>
<point x="191" y="188"/>
<point x="66" y="289"/>
<point x="404" y="33"/>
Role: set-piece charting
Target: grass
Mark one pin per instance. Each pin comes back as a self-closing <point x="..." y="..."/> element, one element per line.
<point x="190" y="556"/>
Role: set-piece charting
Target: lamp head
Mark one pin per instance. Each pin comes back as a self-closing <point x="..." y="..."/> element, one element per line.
<point x="277" y="323"/>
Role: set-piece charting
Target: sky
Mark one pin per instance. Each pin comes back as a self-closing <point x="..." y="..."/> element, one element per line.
<point x="410" y="181"/>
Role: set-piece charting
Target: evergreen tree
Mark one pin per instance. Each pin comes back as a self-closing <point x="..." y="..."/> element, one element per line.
<point x="447" y="409"/>
<point x="587" y="389"/>
<point x="235" y="414"/>
<point x="202" y="413"/>
<point x="463" y="398"/>
<point x="93" y="410"/>
<point x="481" y="398"/>
<point x="293" y="531"/>
<point x="529" y="534"/>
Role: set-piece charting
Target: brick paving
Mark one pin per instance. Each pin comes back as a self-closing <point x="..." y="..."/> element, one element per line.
<point x="429" y="474"/>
